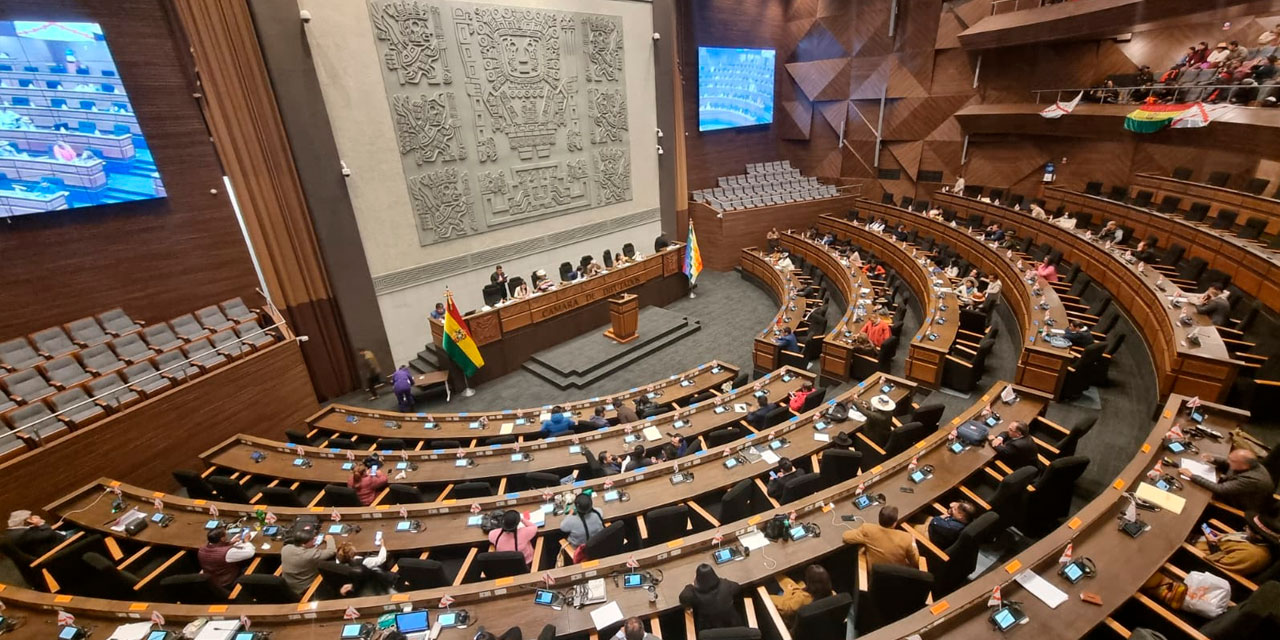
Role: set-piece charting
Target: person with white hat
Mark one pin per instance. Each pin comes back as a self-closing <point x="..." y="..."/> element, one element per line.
<point x="30" y="534"/>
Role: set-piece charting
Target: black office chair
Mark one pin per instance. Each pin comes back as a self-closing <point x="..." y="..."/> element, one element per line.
<point x="228" y="490"/>
<point x="996" y="193"/>
<point x="1255" y="617"/>
<point x="814" y="399"/>
<point x="1093" y="188"/>
<point x="862" y="367"/>
<point x="730" y="633"/>
<point x="839" y="465"/>
<point x="1010" y="499"/>
<point x="735" y="504"/>
<point x="391" y="444"/>
<point x="886" y="198"/>
<point x="724" y="435"/>
<point x="1080" y="374"/>
<point x="192" y="588"/>
<point x="1253" y="228"/>
<point x="334" y="575"/>
<point x="22" y="560"/>
<point x="1226" y="219"/>
<point x="929" y="415"/>
<point x="1143" y="198"/>
<point x="824" y="618"/>
<point x="468" y="490"/>
<point x="1168" y="204"/>
<point x="1067" y="445"/>
<point x="629" y="250"/>
<point x="414" y="574"/>
<point x="800" y="485"/>
<point x="299" y="438"/>
<point x="445" y="444"/>
<point x="262" y="588"/>
<point x="336" y="495"/>
<point x="963" y="374"/>
<point x="281" y="497"/>
<point x="346" y="444"/>
<point x="197" y="488"/>
<point x="666" y="524"/>
<point x="1218" y="179"/>
<point x="1198" y="211"/>
<point x="607" y="259"/>
<point x="566" y="269"/>
<point x="962" y="555"/>
<point x="104" y="580"/>
<point x="904" y="437"/>
<point x="1119" y="193"/>
<point x="1182" y="173"/>
<point x="493" y="293"/>
<point x="540" y="480"/>
<point x="490" y="565"/>
<point x="403" y="494"/>
<point x="893" y="593"/>
<point x="1053" y="492"/>
<point x="513" y="285"/>
<point x="609" y="542"/>
<point x="1256" y="186"/>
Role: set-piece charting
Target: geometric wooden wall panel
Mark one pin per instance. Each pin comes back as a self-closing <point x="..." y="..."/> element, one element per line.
<point x="794" y="119"/>
<point x="869" y="30"/>
<point x="905" y="79"/>
<point x="822" y="79"/>
<point x="817" y="43"/>
<point x="834" y="112"/>
<point x="863" y="116"/>
<point x="917" y="118"/>
<point x="908" y="155"/>
<point x="869" y="76"/>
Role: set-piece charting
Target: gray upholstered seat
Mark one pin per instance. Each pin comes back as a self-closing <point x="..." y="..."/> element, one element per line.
<point x="27" y="386"/>
<point x="187" y="328"/>
<point x="212" y="319"/>
<point x="100" y="360"/>
<point x="226" y="344"/>
<point x="161" y="337"/>
<point x="250" y="332"/>
<point x="75" y="407"/>
<point x="203" y="355"/>
<point x="112" y="392"/>
<point x="65" y="372"/>
<point x="236" y="310"/>
<point x="86" y="332"/>
<point x="53" y="342"/>
<point x="174" y="366"/>
<point x="142" y="378"/>
<point x="17" y="354"/>
<point x="131" y="348"/>
<point x="118" y="323"/>
<point x="29" y="415"/>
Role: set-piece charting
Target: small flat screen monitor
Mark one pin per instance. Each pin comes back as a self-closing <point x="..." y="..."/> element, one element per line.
<point x="412" y="621"/>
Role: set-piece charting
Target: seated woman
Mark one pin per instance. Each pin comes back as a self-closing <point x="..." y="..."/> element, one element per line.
<point x="520" y="291"/>
<point x="541" y="282"/>
<point x="515" y="534"/>
<point x="862" y="345"/>
<point x="369" y="570"/>
<point x="796" y="398"/>
<point x="967" y="290"/>
<point x="797" y="595"/>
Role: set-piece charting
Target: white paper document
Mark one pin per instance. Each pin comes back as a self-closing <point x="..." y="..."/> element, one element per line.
<point x="769" y="456"/>
<point x="652" y="433"/>
<point x="506" y="428"/>
<point x="822" y="437"/>
<point x="1041" y="588"/>
<point x="1198" y="468"/>
<point x="608" y="614"/>
<point x="754" y="540"/>
<point x="131" y="631"/>
<point x="1162" y="499"/>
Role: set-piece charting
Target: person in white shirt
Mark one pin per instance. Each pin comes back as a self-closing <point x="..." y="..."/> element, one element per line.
<point x="959" y="188"/>
<point x="782" y="261"/>
<point x="994" y="286"/>
<point x="220" y="559"/>
<point x="1037" y="211"/>
<point x="367" y="567"/>
<point x="1067" y="221"/>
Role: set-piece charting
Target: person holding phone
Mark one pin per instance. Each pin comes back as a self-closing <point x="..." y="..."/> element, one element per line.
<point x="221" y="558"/>
<point x="300" y="560"/>
<point x="367" y="482"/>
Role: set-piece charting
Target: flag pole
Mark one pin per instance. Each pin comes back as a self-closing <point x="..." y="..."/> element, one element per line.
<point x="467" y="392"/>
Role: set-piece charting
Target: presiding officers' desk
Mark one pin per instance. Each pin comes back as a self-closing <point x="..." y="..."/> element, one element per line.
<point x="363" y="424"/>
<point x="940" y="307"/>
<point x="1252" y="267"/>
<point x="104" y="144"/>
<point x="766" y="353"/>
<point x="1218" y="198"/>
<point x="1123" y="563"/>
<point x="86" y="174"/>
<point x="510" y="333"/>
<point x="1206" y="370"/>
<point x="510" y="598"/>
<point x="1035" y="304"/>
<point x="446" y="524"/>
<point x="854" y="289"/>
<point x="439" y="466"/>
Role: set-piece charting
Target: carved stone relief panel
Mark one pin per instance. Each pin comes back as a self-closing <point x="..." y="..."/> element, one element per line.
<point x="519" y="107"/>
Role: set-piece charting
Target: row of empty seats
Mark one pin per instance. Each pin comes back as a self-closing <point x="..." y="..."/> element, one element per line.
<point x="1254" y="186"/>
<point x="81" y="70"/>
<point x="763" y="184"/>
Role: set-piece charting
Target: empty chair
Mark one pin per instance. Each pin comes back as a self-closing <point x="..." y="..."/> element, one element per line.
<point x="86" y="332"/>
<point x="1066" y="446"/>
<point x="197" y="488"/>
<point x="299" y="438"/>
<point x="105" y="580"/>
<point x="1009" y="499"/>
<point x="192" y="588"/>
<point x="212" y="318"/>
<point x="665" y="524"/>
<point x="279" y="497"/>
<point x="76" y="408"/>
<point x="262" y="588"/>
<point x="963" y="374"/>
<point x="1198" y="211"/>
<point x="175" y="367"/>
<point x="724" y="436"/>
<point x="36" y="418"/>
<point x="892" y="593"/>
<point x="336" y="495"/>
<point x="1093" y="188"/>
<point x="131" y="348"/>
<point x="236" y="310"/>
<point x="493" y="293"/>
<point x="839" y="465"/>
<point x="862" y="367"/>
<point x="735" y="504"/>
<point x="800" y="485"/>
<point x="403" y="494"/>
<point x="1143" y="198"/>
<point x="18" y="354"/>
<point x="1081" y="373"/>
<point x="1053" y="493"/>
<point x="1218" y="178"/>
<point x="228" y="344"/>
<point x="413" y="574"/>
<point x="390" y="444"/>
<point x="1226" y="219"/>
<point x="1118" y="193"/>
<point x="228" y="490"/>
<point x="1169" y="204"/>
<point x="64" y="372"/>
<point x="465" y="490"/>
<point x="253" y="335"/>
<point x="100" y="360"/>
<point x="904" y="437"/>
<point x="490" y="565"/>
<point x="1181" y="173"/>
<point x="1254" y="618"/>
<point x="1256" y="186"/>
<point x="629" y="250"/>
<point x="187" y="328"/>
<point x="823" y="618"/>
<point x="161" y="337"/>
<point x="962" y="555"/>
<point x="52" y="342"/>
<point x="344" y="444"/>
<point x="607" y="259"/>
<point x="1253" y="228"/>
<point x="929" y="415"/>
<point x="26" y="386"/>
<point x="540" y="480"/>
<point x="112" y="392"/>
<point x="609" y="542"/>
<point x="203" y="355"/>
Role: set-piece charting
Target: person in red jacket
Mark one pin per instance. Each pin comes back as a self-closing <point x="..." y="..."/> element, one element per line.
<point x="796" y="398"/>
<point x="876" y="330"/>
<point x="366" y="483"/>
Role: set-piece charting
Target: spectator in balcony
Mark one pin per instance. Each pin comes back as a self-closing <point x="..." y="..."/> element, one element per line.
<point x="1105" y="94"/>
<point x="1217" y="56"/>
<point x="1260" y="73"/>
<point x="1188" y="59"/>
<point x="1144" y="76"/>
<point x="1237" y="52"/>
<point x="1200" y="55"/>
<point x="1269" y="37"/>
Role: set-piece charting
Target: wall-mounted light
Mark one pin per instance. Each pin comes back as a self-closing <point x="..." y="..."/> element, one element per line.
<point x="304" y="16"/>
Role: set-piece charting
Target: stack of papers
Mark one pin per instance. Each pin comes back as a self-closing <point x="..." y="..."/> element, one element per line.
<point x="1197" y="468"/>
<point x="608" y="614"/>
<point x="769" y="456"/>
<point x="754" y="540"/>
<point x="506" y="428"/>
<point x="1162" y="499"/>
<point x="131" y="631"/>
<point x="652" y="433"/>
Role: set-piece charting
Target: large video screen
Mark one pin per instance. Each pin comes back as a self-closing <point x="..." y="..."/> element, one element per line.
<point x="68" y="134"/>
<point x="735" y="87"/>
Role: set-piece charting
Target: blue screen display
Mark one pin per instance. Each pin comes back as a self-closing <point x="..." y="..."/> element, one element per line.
<point x="735" y="87"/>
<point x="68" y="134"/>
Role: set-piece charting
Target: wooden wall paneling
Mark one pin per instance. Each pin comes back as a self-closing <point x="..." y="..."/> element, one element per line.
<point x="261" y="395"/>
<point x="241" y="110"/>
<point x="155" y="258"/>
<point x="721" y="239"/>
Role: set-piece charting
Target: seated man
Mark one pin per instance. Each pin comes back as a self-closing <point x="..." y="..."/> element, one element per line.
<point x="884" y="543"/>
<point x="945" y="530"/>
<point x="876" y="329"/>
<point x="1214" y="305"/>
<point x="1144" y="253"/>
<point x="557" y="424"/>
<point x="787" y="340"/>
<point x="220" y="559"/>
<point x="993" y="233"/>
<point x="1015" y="447"/>
<point x="597" y="417"/>
<point x="29" y="533"/>
<point x="758" y="418"/>
<point x="1242" y="481"/>
<point x="1078" y="333"/>
<point x="778" y="478"/>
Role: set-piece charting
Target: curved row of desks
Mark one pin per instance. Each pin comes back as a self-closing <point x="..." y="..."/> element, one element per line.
<point x="1206" y="370"/>
<point x="785" y="287"/>
<point x="1218" y="198"/>
<point x="932" y="342"/>
<point x="1252" y="267"/>
<point x="326" y="465"/>
<point x="1035" y="304"/>
<point x="372" y="424"/>
<point x="1123" y="563"/>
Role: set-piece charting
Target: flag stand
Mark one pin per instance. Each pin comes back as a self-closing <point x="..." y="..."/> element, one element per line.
<point x="468" y="392"/>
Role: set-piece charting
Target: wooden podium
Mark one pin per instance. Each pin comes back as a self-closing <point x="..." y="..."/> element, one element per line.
<point x="622" y="311"/>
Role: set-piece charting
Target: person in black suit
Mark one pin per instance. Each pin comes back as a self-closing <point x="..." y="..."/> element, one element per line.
<point x="1078" y="333"/>
<point x="1015" y="447"/>
<point x="498" y="277"/>
<point x="758" y="419"/>
<point x="29" y="533"/>
<point x="712" y="600"/>
<point x="1214" y="305"/>
<point x="778" y="479"/>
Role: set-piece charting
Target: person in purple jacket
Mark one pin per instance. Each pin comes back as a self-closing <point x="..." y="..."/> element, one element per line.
<point x="402" y="383"/>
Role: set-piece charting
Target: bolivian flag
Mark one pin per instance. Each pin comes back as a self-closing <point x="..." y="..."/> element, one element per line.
<point x="1150" y="118"/>
<point x="457" y="340"/>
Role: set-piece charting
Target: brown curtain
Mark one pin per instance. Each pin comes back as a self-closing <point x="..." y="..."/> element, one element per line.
<point x="240" y="110"/>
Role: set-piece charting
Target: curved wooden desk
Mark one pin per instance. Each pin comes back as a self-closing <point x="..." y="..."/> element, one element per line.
<point x="371" y="424"/>
<point x="1252" y="267"/>
<point x="765" y="353"/>
<point x="1040" y="365"/>
<point x="854" y="287"/>
<point x="926" y="356"/>
<point x="1123" y="563"/>
<point x="511" y="333"/>
<point x="438" y="466"/>
<point x="1206" y="371"/>
<point x="1218" y="198"/>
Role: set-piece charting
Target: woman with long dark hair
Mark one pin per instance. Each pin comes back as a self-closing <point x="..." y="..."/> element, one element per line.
<point x="515" y="534"/>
